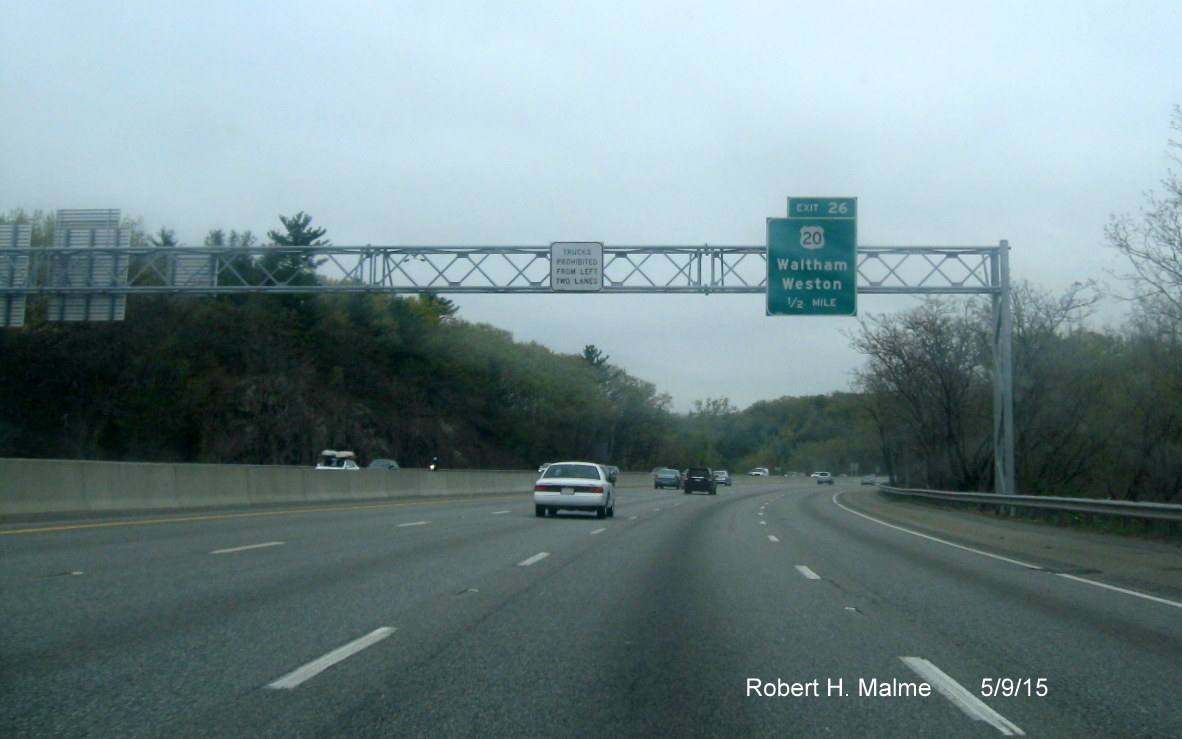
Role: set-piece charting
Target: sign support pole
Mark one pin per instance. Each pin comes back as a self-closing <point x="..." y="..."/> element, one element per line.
<point x="1003" y="375"/>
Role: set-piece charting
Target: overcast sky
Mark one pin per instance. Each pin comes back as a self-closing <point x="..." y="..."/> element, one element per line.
<point x="631" y="123"/>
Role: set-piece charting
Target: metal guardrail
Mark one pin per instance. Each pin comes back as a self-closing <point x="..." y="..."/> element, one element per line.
<point x="1118" y="508"/>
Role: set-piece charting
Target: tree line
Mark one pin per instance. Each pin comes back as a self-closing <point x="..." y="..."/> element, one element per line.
<point x="273" y="379"/>
<point x="1098" y="413"/>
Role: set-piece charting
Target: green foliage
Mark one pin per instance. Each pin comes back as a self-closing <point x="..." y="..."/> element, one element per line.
<point x="256" y="380"/>
<point x="297" y="232"/>
<point x="292" y="268"/>
<point x="164" y="237"/>
<point x="825" y="432"/>
<point x="434" y="308"/>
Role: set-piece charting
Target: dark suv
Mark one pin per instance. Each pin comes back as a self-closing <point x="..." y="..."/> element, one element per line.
<point x="700" y="478"/>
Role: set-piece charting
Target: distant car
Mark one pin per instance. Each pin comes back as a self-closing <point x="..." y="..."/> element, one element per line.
<point x="699" y="478"/>
<point x="542" y="468"/>
<point x="869" y="480"/>
<point x="759" y="472"/>
<point x="823" y="478"/>
<point x="575" y="486"/>
<point x="722" y="477"/>
<point x="666" y="478"/>
<point x="383" y="464"/>
<point x="331" y="459"/>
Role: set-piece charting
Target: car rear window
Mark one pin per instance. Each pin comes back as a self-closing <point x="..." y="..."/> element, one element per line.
<point x="577" y="471"/>
<point x="699" y="471"/>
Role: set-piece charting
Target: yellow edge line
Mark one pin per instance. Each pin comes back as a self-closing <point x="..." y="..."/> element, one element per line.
<point x="215" y="517"/>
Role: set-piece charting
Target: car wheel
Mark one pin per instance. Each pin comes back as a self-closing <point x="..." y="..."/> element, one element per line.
<point x="601" y="512"/>
<point x="611" y="512"/>
<point x="540" y="511"/>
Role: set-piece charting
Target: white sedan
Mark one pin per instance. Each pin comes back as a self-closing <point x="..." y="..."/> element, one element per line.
<point x="575" y="486"/>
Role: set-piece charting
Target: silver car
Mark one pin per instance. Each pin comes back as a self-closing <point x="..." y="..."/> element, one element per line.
<point x="575" y="486"/>
<point x="333" y="460"/>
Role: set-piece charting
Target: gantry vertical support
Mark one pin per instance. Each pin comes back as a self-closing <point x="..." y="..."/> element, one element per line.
<point x="1003" y="375"/>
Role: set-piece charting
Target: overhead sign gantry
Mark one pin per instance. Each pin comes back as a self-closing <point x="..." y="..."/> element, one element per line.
<point x="87" y="275"/>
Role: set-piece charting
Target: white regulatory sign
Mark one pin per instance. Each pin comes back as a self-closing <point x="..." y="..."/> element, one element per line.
<point x="576" y="266"/>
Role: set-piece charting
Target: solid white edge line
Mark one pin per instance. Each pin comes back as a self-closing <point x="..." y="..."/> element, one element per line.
<point x="536" y="558"/>
<point x="1027" y="565"/>
<point x="804" y="570"/>
<point x="250" y="546"/>
<point x="1146" y="596"/>
<point x="847" y="509"/>
<point x="970" y="704"/>
<point x="416" y="523"/>
<point x="317" y="666"/>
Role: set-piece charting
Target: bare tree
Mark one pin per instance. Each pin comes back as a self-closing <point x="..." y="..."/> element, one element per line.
<point x="1153" y="245"/>
<point x="1059" y="384"/>
<point x="1153" y="383"/>
<point x="928" y="381"/>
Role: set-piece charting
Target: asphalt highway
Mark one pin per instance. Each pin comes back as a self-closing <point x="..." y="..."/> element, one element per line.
<point x="776" y="608"/>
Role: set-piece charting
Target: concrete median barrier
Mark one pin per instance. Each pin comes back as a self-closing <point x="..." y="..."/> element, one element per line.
<point x="41" y="486"/>
<point x="112" y="486"/>
<point x="37" y="486"/>
<point x="199" y="485"/>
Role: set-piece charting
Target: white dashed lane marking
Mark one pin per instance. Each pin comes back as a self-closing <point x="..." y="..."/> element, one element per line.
<point x="972" y="706"/>
<point x="249" y="546"/>
<point x="315" y="667"/>
<point x="534" y="559"/>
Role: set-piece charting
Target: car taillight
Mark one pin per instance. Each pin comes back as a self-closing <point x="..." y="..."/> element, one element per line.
<point x="596" y="489"/>
<point x="542" y="488"/>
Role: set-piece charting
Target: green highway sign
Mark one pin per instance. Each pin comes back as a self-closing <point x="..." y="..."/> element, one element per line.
<point x="812" y="258"/>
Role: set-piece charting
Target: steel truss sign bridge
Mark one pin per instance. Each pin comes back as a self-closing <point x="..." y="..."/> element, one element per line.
<point x="90" y="270"/>
<point x="119" y="271"/>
